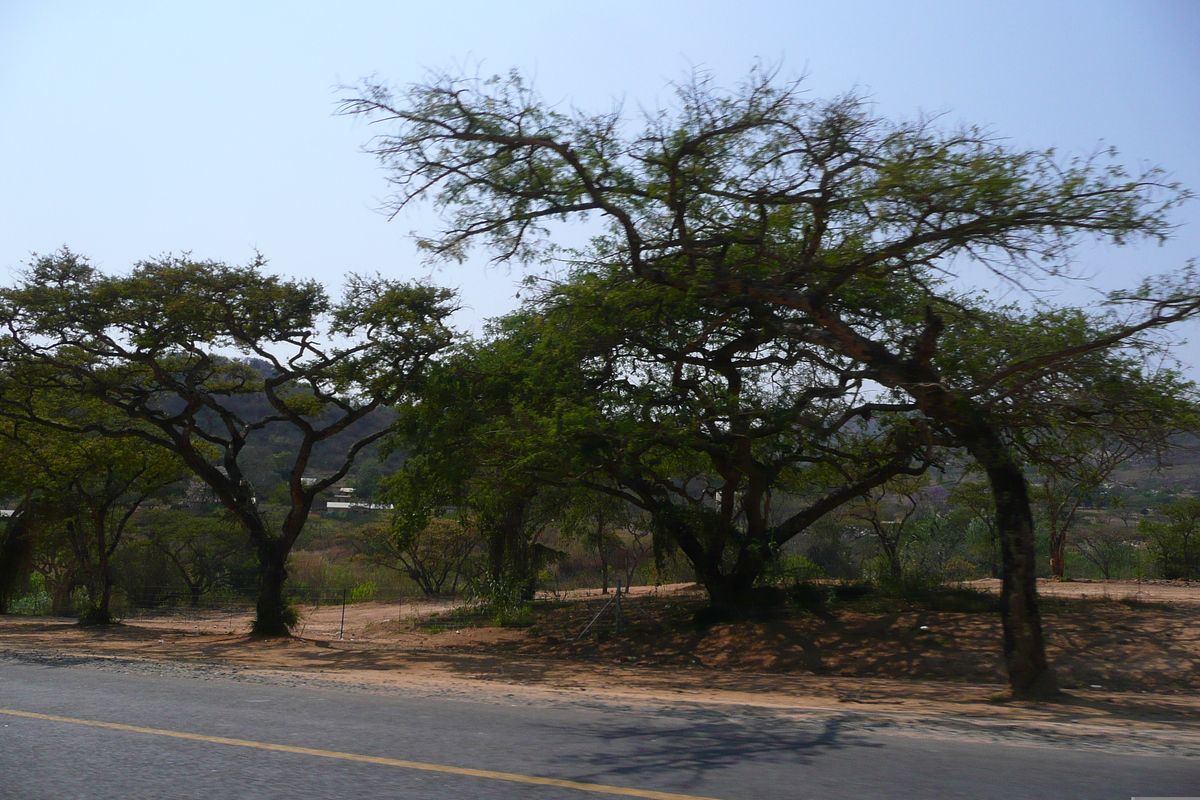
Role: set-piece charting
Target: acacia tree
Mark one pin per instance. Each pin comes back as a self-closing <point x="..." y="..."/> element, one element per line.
<point x="463" y="460"/>
<point x="1069" y="408"/>
<point x="158" y="346"/>
<point x="439" y="557"/>
<point x="96" y="485"/>
<point x="845" y="230"/>
<point x="1066" y="482"/>
<point x="1105" y="545"/>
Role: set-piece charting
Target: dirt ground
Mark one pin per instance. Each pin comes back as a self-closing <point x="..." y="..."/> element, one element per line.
<point x="1128" y="655"/>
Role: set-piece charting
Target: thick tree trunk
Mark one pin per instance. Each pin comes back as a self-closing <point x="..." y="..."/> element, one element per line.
<point x="103" y="610"/>
<point x="729" y="589"/>
<point x="1029" y="673"/>
<point x="891" y="552"/>
<point x="16" y="557"/>
<point x="508" y="550"/>
<point x="274" y="615"/>
<point x="727" y="592"/>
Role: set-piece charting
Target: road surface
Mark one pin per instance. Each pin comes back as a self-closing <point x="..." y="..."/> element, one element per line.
<point x="70" y="730"/>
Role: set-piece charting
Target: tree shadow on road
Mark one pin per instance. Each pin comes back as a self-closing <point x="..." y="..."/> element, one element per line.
<point x="690" y="745"/>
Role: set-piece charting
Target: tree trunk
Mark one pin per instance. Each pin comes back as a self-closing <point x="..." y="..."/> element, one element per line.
<point x="730" y="590"/>
<point x="1058" y="546"/>
<point x="1029" y="673"/>
<point x="891" y="551"/>
<point x="59" y="588"/>
<point x="16" y="557"/>
<point x="1187" y="560"/>
<point x="603" y="555"/>
<point x="727" y="593"/>
<point x="103" y="609"/>
<point x="274" y="615"/>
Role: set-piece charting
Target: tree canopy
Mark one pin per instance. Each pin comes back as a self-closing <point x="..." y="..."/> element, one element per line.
<point x="728" y="436"/>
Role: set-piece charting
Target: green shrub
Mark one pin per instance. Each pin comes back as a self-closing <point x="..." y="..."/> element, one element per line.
<point x="500" y="601"/>
<point x="808" y="595"/>
<point x="790" y="569"/>
<point x="36" y="601"/>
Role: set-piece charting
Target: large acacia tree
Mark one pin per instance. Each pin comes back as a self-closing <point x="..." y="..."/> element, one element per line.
<point x="165" y="347"/>
<point x="846" y="231"/>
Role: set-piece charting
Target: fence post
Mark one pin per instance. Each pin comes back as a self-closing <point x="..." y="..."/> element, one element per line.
<point x="342" y="629"/>
<point x="618" y="632"/>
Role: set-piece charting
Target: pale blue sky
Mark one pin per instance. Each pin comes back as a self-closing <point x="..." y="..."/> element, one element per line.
<point x="128" y="129"/>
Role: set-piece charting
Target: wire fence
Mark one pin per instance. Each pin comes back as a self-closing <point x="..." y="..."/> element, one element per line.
<point x="231" y="609"/>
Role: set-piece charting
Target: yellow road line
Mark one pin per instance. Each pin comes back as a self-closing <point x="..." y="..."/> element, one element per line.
<point x="390" y="762"/>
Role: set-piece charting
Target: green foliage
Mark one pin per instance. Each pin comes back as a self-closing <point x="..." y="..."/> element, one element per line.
<point x="439" y="557"/>
<point x="1177" y="540"/>
<point x="501" y="602"/>
<point x="176" y="554"/>
<point x="791" y="569"/>
<point x="34" y="601"/>
<point x="81" y="489"/>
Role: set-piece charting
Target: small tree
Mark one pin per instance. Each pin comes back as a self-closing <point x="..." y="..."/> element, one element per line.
<point x="204" y="550"/>
<point x="598" y="520"/>
<point x="888" y="512"/>
<point x="157" y="346"/>
<point x="438" y="557"/>
<point x="1110" y="410"/>
<point x="1175" y="538"/>
<point x="1105" y="546"/>
<point x="979" y="504"/>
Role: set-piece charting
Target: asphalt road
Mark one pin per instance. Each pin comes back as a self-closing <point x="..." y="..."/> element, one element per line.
<point x="82" y="732"/>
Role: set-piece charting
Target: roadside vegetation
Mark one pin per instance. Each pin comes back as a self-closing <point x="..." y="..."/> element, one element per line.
<point x="773" y="371"/>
